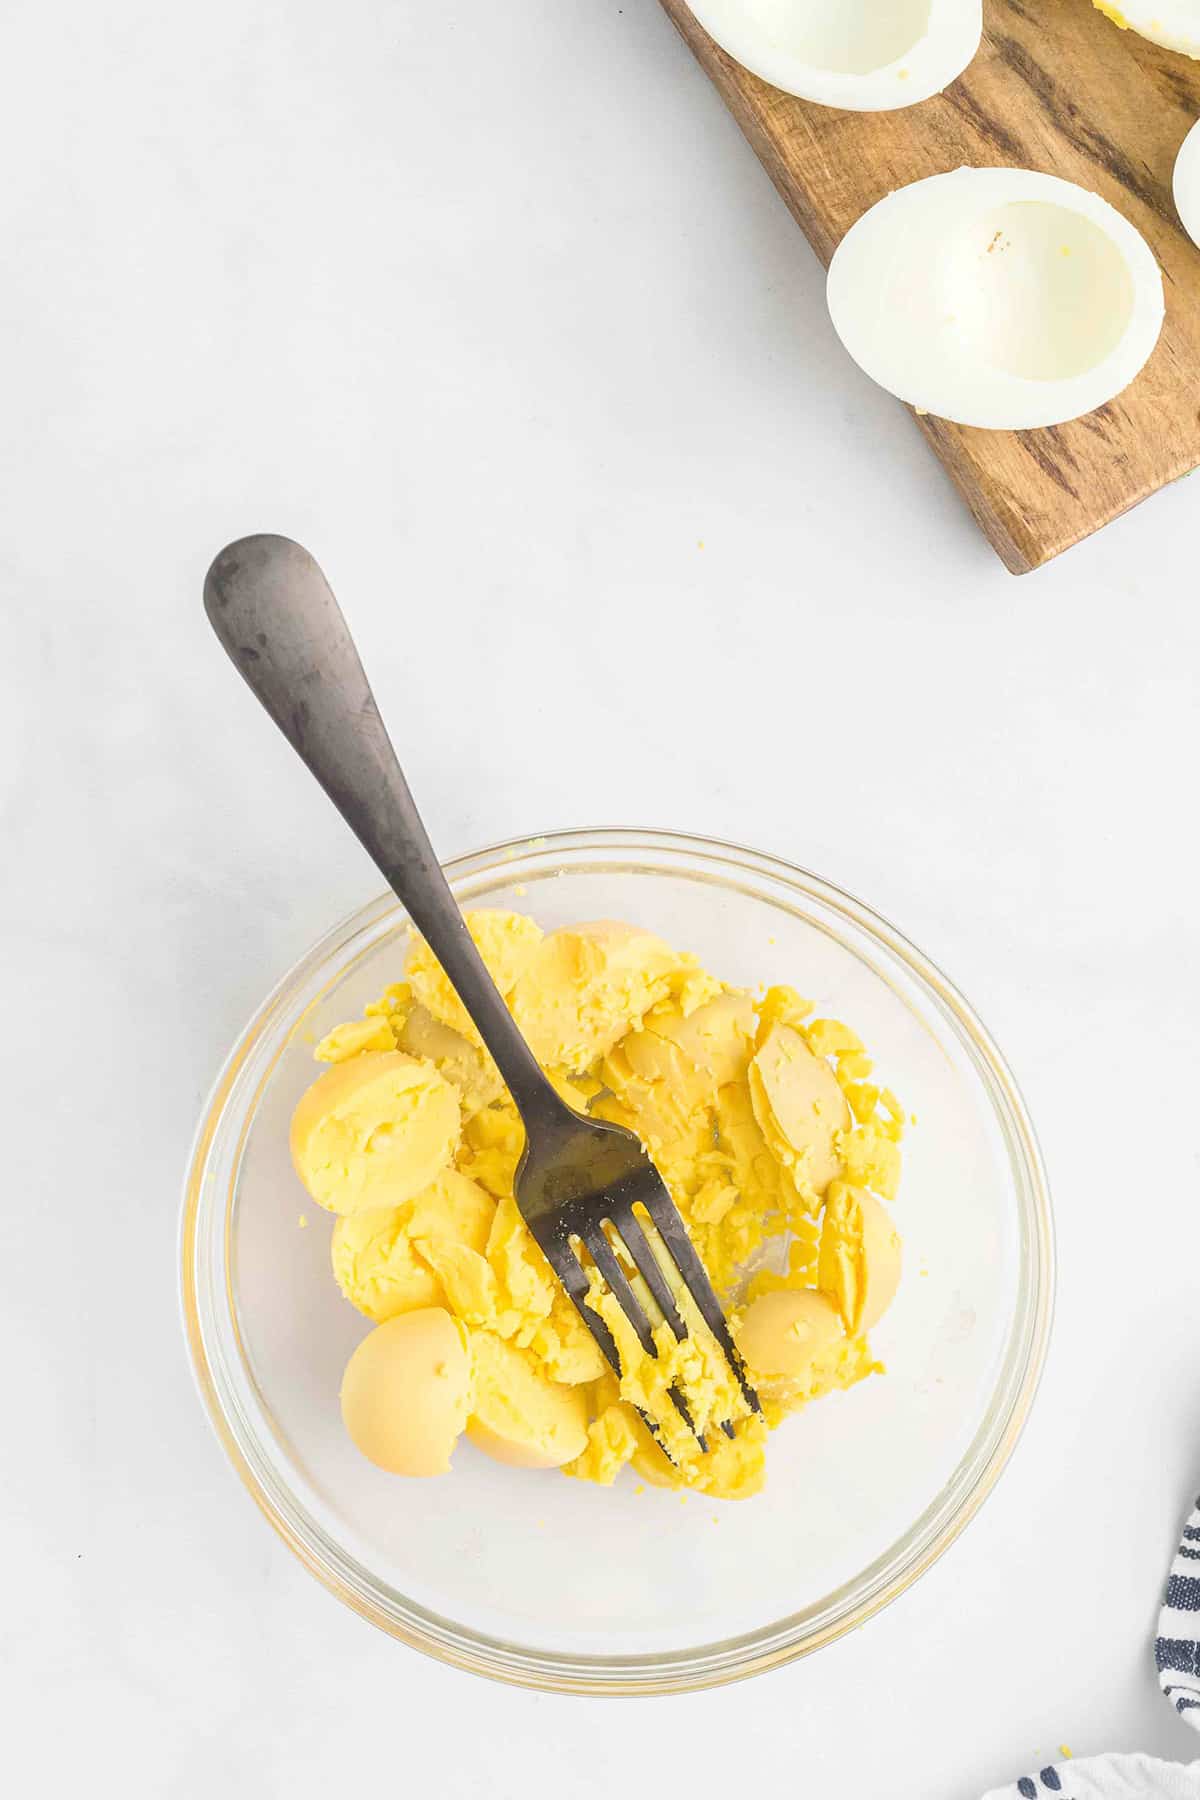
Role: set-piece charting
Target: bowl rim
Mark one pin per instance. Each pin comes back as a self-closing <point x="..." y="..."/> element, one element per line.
<point x="769" y="1647"/>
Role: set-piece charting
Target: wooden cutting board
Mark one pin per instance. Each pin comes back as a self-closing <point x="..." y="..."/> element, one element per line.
<point x="1055" y="86"/>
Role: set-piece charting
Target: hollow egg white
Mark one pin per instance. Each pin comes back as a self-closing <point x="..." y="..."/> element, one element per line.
<point x="1001" y="298"/>
<point x="1186" y="183"/>
<point x="1173" y="23"/>
<point x="860" y="55"/>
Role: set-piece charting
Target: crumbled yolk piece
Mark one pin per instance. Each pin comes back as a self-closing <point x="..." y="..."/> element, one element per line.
<point x="776" y="1146"/>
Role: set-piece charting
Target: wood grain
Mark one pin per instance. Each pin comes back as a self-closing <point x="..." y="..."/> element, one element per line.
<point x="1057" y="87"/>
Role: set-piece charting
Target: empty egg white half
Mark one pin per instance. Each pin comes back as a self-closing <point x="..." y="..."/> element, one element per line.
<point x="1187" y="183"/>
<point x="1001" y="298"/>
<point x="1173" y="23"/>
<point x="861" y="55"/>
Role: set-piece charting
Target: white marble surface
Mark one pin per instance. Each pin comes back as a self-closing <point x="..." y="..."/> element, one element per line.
<point x="494" y="309"/>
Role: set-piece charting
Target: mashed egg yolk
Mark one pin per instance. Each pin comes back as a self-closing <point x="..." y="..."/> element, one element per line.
<point x="777" y="1146"/>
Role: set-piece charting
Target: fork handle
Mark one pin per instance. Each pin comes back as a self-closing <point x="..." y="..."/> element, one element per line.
<point x="274" y="612"/>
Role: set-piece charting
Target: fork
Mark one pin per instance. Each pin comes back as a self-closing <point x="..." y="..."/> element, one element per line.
<point x="578" y="1177"/>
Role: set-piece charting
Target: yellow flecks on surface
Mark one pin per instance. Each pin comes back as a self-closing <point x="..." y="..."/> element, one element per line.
<point x="520" y="890"/>
<point x="1065" y="1750"/>
<point x="774" y="1136"/>
<point x="302" y="1221"/>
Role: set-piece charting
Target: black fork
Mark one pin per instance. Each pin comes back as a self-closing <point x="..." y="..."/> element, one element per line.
<point x="276" y="616"/>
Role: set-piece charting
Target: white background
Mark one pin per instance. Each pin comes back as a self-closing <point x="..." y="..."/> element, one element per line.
<point x="492" y="307"/>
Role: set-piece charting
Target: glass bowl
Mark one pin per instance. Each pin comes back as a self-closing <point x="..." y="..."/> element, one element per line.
<point x="559" y="1584"/>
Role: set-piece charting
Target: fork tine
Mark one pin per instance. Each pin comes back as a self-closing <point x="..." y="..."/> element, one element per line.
<point x="605" y="1259"/>
<point x="573" y="1275"/>
<point x="673" y="1232"/>
<point x="650" y="1269"/>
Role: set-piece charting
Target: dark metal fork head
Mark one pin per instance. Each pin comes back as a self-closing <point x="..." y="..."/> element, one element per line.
<point x="579" y="1176"/>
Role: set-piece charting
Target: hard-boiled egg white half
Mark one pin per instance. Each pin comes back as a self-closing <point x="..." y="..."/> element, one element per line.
<point x="1000" y="298"/>
<point x="1187" y="183"/>
<point x="860" y="55"/>
<point x="1173" y="23"/>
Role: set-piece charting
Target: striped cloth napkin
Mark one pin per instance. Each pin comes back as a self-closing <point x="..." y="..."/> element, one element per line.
<point x="1177" y="1654"/>
<point x="1177" y="1649"/>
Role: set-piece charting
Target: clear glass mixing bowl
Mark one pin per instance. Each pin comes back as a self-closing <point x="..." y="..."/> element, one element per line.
<point x="558" y="1584"/>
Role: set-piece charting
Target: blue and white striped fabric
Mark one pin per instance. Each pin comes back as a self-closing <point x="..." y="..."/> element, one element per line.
<point x="1107" y="1778"/>
<point x="1177" y="1648"/>
<point x="1177" y="1655"/>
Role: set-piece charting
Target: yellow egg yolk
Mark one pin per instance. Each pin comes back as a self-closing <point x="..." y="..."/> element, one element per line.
<point x="778" y="1149"/>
